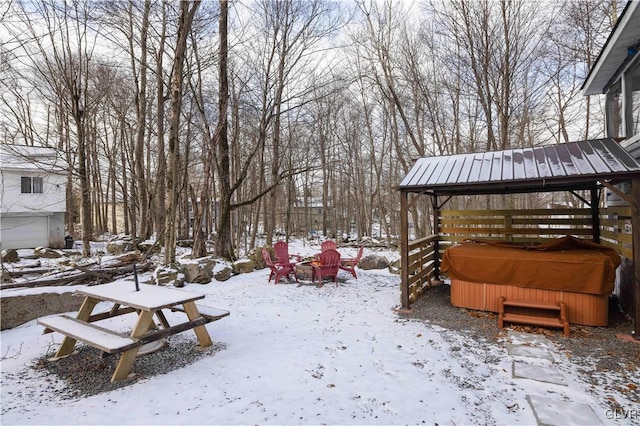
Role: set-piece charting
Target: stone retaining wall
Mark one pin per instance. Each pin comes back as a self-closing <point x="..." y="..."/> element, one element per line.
<point x="17" y="310"/>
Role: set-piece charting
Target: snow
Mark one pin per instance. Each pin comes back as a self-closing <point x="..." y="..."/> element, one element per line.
<point x="58" y="289"/>
<point x="148" y="297"/>
<point x="296" y="355"/>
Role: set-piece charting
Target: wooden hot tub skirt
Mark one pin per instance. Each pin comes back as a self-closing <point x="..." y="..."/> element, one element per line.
<point x="582" y="308"/>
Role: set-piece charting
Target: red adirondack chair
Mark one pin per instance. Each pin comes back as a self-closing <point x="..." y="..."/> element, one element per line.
<point x="328" y="245"/>
<point x="329" y="265"/>
<point x="277" y="270"/>
<point x="349" y="264"/>
<point x="282" y="254"/>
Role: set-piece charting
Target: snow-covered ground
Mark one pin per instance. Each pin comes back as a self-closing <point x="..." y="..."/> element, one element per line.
<point x="297" y="355"/>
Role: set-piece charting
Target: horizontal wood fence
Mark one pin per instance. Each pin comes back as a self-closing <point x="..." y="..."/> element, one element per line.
<point x="540" y="225"/>
<point x="514" y="225"/>
<point x="615" y="230"/>
<point x="537" y="226"/>
<point x="421" y="264"/>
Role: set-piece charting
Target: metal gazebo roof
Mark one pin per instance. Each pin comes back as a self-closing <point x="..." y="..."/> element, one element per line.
<point x="559" y="167"/>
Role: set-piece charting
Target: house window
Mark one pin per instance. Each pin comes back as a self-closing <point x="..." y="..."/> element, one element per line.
<point x="31" y="185"/>
<point x="623" y="103"/>
<point x="634" y="76"/>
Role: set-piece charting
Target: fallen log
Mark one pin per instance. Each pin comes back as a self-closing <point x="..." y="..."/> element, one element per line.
<point x="42" y="283"/>
<point x="79" y="276"/>
<point x="21" y="272"/>
<point x="125" y="259"/>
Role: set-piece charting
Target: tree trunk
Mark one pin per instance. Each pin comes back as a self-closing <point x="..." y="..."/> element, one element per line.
<point x="140" y="98"/>
<point x="224" y="242"/>
<point x="161" y="185"/>
<point x="185" y="19"/>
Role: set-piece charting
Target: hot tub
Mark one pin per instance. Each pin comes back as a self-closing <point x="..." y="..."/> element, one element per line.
<point x="577" y="272"/>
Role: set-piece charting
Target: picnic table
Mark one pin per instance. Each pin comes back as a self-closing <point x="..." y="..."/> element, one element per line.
<point x="145" y="300"/>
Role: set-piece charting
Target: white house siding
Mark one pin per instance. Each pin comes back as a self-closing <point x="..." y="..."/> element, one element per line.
<point x="32" y="231"/>
<point x="32" y="219"/>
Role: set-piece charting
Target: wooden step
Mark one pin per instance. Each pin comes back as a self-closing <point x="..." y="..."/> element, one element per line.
<point x="551" y="314"/>
<point x="533" y="305"/>
<point x="530" y="319"/>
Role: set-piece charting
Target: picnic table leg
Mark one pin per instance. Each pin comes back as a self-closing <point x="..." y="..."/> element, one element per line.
<point x="162" y="318"/>
<point x="83" y="314"/>
<point x="201" y="331"/>
<point x="126" y="359"/>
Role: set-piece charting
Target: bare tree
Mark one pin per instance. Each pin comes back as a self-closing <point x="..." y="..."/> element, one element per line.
<point x="382" y="20"/>
<point x="224" y="242"/>
<point x="185" y="19"/>
<point x="58" y="48"/>
<point x="161" y="180"/>
<point x="140" y="98"/>
<point x="576" y="38"/>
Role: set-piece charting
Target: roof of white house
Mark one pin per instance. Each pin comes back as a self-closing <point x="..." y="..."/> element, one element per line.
<point x="312" y="202"/>
<point x="619" y="48"/>
<point x="31" y="158"/>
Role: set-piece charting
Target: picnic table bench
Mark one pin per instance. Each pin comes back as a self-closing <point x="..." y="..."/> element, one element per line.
<point x="112" y="342"/>
<point x="147" y="302"/>
<point x="99" y="337"/>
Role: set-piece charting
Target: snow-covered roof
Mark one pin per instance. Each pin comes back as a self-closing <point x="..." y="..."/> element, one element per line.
<point x="573" y="165"/>
<point x="31" y="158"/>
<point x="312" y="202"/>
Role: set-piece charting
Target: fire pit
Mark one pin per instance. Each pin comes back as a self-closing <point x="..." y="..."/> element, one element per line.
<point x="304" y="270"/>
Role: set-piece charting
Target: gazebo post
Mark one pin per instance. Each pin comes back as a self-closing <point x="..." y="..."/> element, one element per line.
<point x="436" y="242"/>
<point x="635" y="227"/>
<point x="595" y="215"/>
<point x="404" y="249"/>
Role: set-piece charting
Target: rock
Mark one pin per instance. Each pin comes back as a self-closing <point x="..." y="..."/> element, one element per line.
<point x="5" y="277"/>
<point x="199" y="270"/>
<point x="168" y="275"/>
<point x="394" y="267"/>
<point x="47" y="253"/>
<point x="184" y="243"/>
<point x="243" y="266"/>
<point x="373" y="261"/>
<point x="119" y="247"/>
<point x="10" y="256"/>
<point x="256" y="256"/>
<point x="149" y="247"/>
<point x="116" y="247"/>
<point x="223" y="274"/>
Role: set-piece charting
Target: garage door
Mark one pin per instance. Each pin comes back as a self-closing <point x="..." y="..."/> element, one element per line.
<point x="24" y="232"/>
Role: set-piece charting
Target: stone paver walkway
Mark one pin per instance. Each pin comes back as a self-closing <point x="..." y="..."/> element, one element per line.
<point x="533" y="360"/>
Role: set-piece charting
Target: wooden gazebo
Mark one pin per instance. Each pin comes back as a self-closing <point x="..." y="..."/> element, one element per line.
<point x="584" y="167"/>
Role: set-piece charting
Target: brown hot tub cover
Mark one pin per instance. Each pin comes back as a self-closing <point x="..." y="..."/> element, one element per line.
<point x="565" y="264"/>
